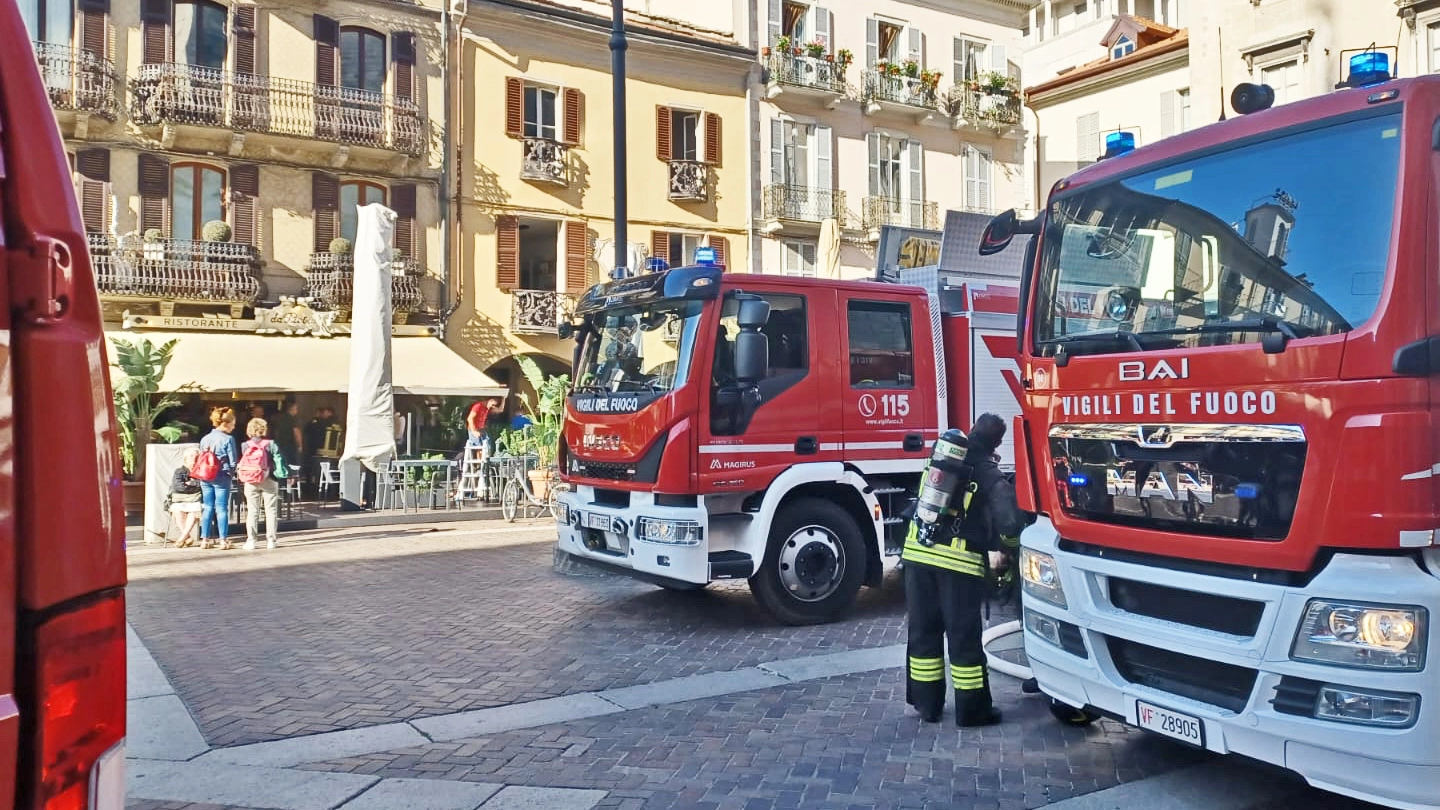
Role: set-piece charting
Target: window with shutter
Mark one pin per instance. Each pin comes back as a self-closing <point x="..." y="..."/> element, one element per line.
<point x="155" y="31"/>
<point x="713" y="145"/>
<point x="325" y="202"/>
<point x="1167" y="114"/>
<point x="92" y="167"/>
<point x="1087" y="137"/>
<point x="577" y="257"/>
<point x="402" y="52"/>
<point x="507" y="252"/>
<point x="664" y="147"/>
<point x="660" y="245"/>
<point x="243" y="24"/>
<point x="200" y="35"/>
<point x="574" y="114"/>
<point x="402" y="202"/>
<point x="197" y="196"/>
<point x="541" y="109"/>
<point x="327" y="50"/>
<point x="154" y="186"/>
<point x="514" y="107"/>
<point x="722" y="250"/>
<point x="94" y="27"/>
<point x="245" y="203"/>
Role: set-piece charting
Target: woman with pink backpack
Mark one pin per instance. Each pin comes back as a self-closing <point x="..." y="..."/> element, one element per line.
<point x="261" y="464"/>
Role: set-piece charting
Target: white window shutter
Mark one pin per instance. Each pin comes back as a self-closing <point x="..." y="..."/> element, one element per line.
<point x="776" y="10"/>
<point x="1167" y="114"/>
<point x="823" y="25"/>
<point x="999" y="60"/>
<point x="872" y="41"/>
<point x="972" y="185"/>
<point x="982" y="179"/>
<point x="777" y="151"/>
<point x="824" y="170"/>
<point x="917" y="45"/>
<point x="1087" y="137"/>
<point x="872" y="142"/>
<point x="917" y="171"/>
<point x="959" y="60"/>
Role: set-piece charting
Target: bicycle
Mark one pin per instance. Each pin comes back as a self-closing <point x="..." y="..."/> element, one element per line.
<point x="518" y="496"/>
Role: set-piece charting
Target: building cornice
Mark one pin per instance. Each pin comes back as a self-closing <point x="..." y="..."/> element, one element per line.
<point x="642" y="33"/>
<point x="1164" y="58"/>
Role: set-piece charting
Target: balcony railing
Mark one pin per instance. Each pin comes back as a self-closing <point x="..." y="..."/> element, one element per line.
<point x="331" y="282"/>
<point x="184" y="94"/>
<point x="883" y="87"/>
<point x="546" y="161"/>
<point x="803" y="203"/>
<point x="881" y="211"/>
<point x="976" y="108"/>
<point x="810" y="72"/>
<point x="77" y="79"/>
<point x="689" y="180"/>
<point x="539" y="312"/>
<point x="175" y="270"/>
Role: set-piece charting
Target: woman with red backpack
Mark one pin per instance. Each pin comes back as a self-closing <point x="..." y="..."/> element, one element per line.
<point x="214" y="468"/>
<point x="260" y="465"/>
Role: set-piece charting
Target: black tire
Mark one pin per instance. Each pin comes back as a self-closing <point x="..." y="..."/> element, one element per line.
<point x="1069" y="715"/>
<point x="814" y="564"/>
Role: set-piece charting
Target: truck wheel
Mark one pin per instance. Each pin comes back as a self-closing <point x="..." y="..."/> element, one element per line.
<point x="814" y="564"/>
<point x="1071" y="716"/>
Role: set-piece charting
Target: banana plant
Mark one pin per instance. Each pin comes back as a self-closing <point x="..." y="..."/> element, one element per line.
<point x="546" y="411"/>
<point x="139" y="402"/>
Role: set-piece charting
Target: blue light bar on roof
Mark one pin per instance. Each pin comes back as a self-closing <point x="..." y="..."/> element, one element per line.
<point x="655" y="264"/>
<point x="1369" y="67"/>
<point x="1118" y="143"/>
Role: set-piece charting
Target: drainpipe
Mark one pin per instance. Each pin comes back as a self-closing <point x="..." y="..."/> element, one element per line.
<point x="449" y="197"/>
<point x="617" y="69"/>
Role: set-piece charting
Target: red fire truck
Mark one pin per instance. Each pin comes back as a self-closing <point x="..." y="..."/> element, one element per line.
<point x="62" y="558"/>
<point x="1230" y="356"/>
<point x="732" y="426"/>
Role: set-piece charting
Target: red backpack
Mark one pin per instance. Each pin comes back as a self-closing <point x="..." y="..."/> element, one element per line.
<point x="206" y="466"/>
<point x="254" y="463"/>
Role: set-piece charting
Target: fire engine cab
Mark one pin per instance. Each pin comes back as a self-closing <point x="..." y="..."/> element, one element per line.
<point x="769" y="428"/>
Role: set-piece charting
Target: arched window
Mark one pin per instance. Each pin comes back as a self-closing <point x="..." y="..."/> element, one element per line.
<point x="200" y="36"/>
<point x="352" y="194"/>
<point x="197" y="196"/>
<point x="362" y="60"/>
<point x="47" y="21"/>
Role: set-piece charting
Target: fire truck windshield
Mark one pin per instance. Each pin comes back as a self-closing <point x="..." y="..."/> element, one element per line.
<point x="1291" y="234"/>
<point x="645" y="348"/>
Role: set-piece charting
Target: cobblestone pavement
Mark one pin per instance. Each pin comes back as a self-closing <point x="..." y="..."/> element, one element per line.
<point x="362" y="628"/>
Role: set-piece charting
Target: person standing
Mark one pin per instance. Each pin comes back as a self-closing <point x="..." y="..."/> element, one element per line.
<point x="261" y="464"/>
<point x="215" y="492"/>
<point x="285" y="430"/>
<point x="945" y="586"/>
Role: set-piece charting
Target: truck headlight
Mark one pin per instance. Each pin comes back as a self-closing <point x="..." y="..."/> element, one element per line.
<point x="1367" y="636"/>
<point x="1367" y="708"/>
<point x="1041" y="576"/>
<point x="668" y="532"/>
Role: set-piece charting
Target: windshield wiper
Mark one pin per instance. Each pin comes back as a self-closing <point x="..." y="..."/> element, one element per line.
<point x="1278" y="333"/>
<point x="1062" y="357"/>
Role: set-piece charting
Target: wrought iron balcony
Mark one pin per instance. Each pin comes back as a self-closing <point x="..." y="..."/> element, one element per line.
<point x="174" y="270"/>
<point x="881" y="211"/>
<point x="689" y="180"/>
<point x="77" y="79"/>
<point x="883" y="87"/>
<point x="997" y="112"/>
<point x="803" y="203"/>
<point x="546" y="161"/>
<point x="184" y="94"/>
<point x="331" y="282"/>
<point x="539" y="312"/>
<point x="821" y="75"/>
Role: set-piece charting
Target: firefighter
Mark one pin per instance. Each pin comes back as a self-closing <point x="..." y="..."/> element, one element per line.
<point x="945" y="574"/>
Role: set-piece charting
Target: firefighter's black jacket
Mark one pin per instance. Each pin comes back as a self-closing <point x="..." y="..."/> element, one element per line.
<point x="995" y="514"/>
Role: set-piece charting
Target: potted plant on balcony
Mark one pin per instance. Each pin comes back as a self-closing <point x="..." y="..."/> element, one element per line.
<point x="912" y="68"/>
<point x="815" y="49"/>
<point x="216" y="231"/>
<point x="783" y="44"/>
<point x="340" y="246"/>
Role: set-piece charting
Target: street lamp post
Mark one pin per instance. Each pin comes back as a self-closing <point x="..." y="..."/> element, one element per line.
<point x="617" y="70"/>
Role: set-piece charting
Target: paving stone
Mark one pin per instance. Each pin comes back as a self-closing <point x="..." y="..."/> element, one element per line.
<point x="233" y="785"/>
<point x="422" y="794"/>
<point x="160" y="728"/>
<point x="533" y="798"/>
<point x="316" y="747"/>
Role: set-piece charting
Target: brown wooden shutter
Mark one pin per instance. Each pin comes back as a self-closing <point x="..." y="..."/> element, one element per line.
<point x="660" y="245"/>
<point x="327" y="49"/>
<point x="325" y="199"/>
<point x="662" y="133"/>
<point x="722" y="250"/>
<point x="402" y="53"/>
<point x="243" y="24"/>
<point x="507" y="252"/>
<point x="514" y="107"/>
<point x="712" y="139"/>
<point x="154" y="185"/>
<point x="94" y="36"/>
<point x="245" y="203"/>
<point x="93" y="167"/>
<point x="574" y="106"/>
<point x="155" y="30"/>
<point x="577" y="257"/>
<point x="402" y="202"/>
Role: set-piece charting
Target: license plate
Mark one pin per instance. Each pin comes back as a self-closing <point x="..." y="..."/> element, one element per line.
<point x="601" y="522"/>
<point x="1175" y="725"/>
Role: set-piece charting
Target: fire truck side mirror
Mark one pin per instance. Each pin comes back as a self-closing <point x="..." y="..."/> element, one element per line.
<point x="752" y="313"/>
<point x="1002" y="229"/>
<point x="752" y="357"/>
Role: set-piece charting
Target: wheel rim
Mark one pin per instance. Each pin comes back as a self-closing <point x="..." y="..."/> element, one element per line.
<point x="812" y="564"/>
<point x="510" y="501"/>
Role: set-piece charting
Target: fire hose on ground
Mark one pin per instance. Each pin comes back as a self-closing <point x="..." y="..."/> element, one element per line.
<point x="998" y="664"/>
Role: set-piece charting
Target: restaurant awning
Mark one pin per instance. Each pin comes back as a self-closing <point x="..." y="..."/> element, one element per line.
<point x="259" y="364"/>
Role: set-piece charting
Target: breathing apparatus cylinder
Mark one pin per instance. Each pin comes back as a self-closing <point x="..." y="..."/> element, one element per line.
<point x="944" y="478"/>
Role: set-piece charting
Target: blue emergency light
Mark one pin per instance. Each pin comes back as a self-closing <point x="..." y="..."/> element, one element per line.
<point x="1118" y="143"/>
<point x="1248" y="492"/>
<point x="705" y="256"/>
<point x="655" y="264"/>
<point x="1079" y="480"/>
<point x="1369" y="67"/>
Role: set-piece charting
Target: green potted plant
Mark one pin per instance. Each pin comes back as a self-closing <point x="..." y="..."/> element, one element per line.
<point x="216" y="231"/>
<point x="783" y="44"/>
<point x="139" y="404"/>
<point x="341" y="246"/>
<point x="546" y="411"/>
<point x="912" y="68"/>
<point x="815" y="49"/>
<point x="154" y="245"/>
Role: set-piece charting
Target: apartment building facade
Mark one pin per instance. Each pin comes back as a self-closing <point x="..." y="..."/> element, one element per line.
<point x="881" y="113"/>
<point x="535" y="143"/>
<point x="220" y="150"/>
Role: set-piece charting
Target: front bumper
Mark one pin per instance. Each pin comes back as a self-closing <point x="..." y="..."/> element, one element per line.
<point x="605" y="534"/>
<point x="1112" y="657"/>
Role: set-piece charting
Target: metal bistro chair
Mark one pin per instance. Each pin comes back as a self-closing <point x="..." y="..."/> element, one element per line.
<point x="389" y="484"/>
<point x="290" y="494"/>
<point x="329" y="477"/>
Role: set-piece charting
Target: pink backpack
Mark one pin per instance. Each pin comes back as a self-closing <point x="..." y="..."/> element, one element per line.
<point x="254" y="464"/>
